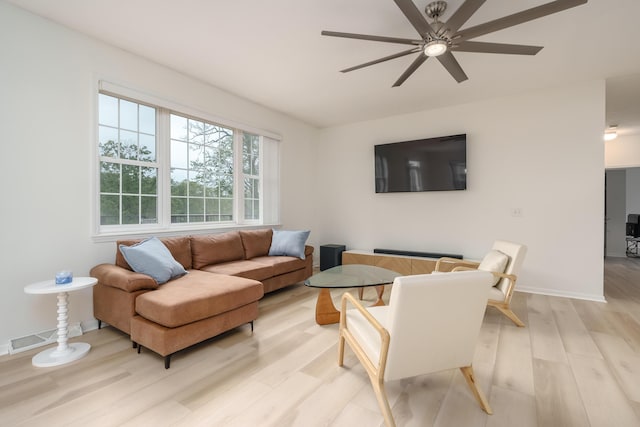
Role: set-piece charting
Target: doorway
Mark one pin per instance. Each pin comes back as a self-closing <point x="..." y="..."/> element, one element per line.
<point x="622" y="197"/>
<point x="615" y="213"/>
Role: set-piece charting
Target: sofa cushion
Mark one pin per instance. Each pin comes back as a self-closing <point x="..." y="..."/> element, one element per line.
<point x="256" y="242"/>
<point x="494" y="261"/>
<point x="216" y="248"/>
<point x="196" y="296"/>
<point x="180" y="248"/>
<point x="289" y="243"/>
<point x="151" y="257"/>
<point x="244" y="268"/>
<point x="496" y="294"/>
<point x="281" y="264"/>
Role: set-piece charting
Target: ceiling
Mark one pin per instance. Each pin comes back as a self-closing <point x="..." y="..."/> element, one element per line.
<point x="271" y="52"/>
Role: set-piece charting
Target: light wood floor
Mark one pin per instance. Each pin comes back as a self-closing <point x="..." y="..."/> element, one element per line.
<point x="576" y="363"/>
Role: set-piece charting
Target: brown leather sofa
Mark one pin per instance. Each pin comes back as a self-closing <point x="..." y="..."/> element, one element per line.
<point x="227" y="274"/>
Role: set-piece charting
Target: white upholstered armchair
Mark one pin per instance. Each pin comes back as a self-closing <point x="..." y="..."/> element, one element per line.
<point x="504" y="260"/>
<point x="431" y="324"/>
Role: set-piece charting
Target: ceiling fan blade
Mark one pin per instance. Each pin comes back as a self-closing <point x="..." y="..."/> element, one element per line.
<point x="484" y="47"/>
<point x="463" y="14"/>
<point x="371" y="38"/>
<point x="517" y="18"/>
<point x="414" y="66"/>
<point x="452" y="66"/>
<point x="386" y="58"/>
<point x="414" y="16"/>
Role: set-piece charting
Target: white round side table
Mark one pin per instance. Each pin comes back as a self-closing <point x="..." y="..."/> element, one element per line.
<point x="64" y="352"/>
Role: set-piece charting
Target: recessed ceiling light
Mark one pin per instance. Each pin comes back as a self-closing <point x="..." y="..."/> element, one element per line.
<point x="611" y="133"/>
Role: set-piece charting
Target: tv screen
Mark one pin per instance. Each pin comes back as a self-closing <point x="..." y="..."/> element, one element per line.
<point x="432" y="164"/>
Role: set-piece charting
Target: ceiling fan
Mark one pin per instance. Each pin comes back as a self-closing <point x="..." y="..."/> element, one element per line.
<point x="439" y="39"/>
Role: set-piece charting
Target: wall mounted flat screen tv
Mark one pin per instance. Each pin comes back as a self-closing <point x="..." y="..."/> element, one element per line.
<point x="432" y="164"/>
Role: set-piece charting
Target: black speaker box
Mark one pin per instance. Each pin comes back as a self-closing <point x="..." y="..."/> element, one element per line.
<point x="633" y="229"/>
<point x="330" y="256"/>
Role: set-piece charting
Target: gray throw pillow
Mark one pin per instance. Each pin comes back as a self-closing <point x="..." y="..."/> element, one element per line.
<point x="151" y="257"/>
<point x="288" y="243"/>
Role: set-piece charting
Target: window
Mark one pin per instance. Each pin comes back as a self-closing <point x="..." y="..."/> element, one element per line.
<point x="128" y="167"/>
<point x="202" y="173"/>
<point x="161" y="168"/>
<point x="250" y="170"/>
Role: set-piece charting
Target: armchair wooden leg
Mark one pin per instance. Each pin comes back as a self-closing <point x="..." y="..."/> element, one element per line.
<point x="340" y="350"/>
<point x="383" y="402"/>
<point x="467" y="371"/>
<point x="511" y="315"/>
<point x="506" y="310"/>
<point x="360" y="293"/>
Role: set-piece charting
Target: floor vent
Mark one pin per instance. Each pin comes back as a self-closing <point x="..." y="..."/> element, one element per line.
<point x="17" y="345"/>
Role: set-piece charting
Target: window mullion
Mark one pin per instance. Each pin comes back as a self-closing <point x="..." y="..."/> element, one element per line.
<point x="129" y="162"/>
<point x="238" y="177"/>
<point x="164" y="168"/>
<point x="261" y="178"/>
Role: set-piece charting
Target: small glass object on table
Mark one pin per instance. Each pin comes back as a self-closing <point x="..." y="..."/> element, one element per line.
<point x="346" y="276"/>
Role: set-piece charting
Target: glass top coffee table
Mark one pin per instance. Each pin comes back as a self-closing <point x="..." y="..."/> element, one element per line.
<point x="346" y="276"/>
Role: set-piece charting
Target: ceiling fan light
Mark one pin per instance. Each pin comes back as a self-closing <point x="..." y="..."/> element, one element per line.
<point x="435" y="48"/>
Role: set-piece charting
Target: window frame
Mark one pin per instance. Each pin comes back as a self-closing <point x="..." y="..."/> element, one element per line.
<point x="244" y="175"/>
<point x="236" y="133"/>
<point x="164" y="226"/>
<point x="122" y="162"/>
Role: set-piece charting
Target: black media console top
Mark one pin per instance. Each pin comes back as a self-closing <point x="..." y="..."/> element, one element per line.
<point x="412" y="253"/>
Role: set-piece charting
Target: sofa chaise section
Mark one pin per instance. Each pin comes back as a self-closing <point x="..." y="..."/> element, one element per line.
<point x="192" y="309"/>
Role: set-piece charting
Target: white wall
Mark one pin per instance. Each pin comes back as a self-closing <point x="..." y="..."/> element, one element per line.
<point x="541" y="152"/>
<point x="48" y="78"/>
<point x="622" y="152"/>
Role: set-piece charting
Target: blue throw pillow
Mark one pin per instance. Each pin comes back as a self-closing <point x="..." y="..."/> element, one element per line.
<point x="151" y="257"/>
<point x="288" y="243"/>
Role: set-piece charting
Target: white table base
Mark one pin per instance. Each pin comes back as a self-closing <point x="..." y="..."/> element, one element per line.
<point x="54" y="357"/>
<point x="64" y="352"/>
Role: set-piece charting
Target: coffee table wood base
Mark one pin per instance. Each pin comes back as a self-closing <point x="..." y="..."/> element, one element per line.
<point x="326" y="312"/>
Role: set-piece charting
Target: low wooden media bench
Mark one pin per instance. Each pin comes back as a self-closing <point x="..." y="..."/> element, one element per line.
<point x="403" y="264"/>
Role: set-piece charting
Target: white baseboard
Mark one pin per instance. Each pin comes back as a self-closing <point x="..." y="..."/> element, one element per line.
<point x="616" y="255"/>
<point x="88" y="325"/>
<point x="556" y="293"/>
